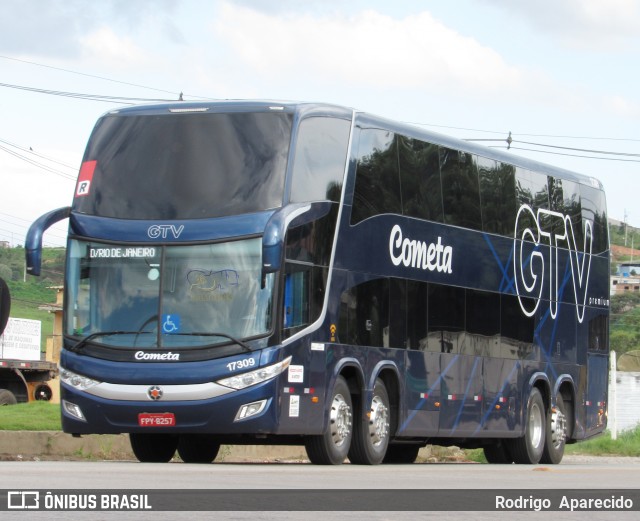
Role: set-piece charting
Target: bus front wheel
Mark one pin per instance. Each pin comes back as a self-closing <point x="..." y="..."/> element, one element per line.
<point x="332" y="447"/>
<point x="528" y="449"/>
<point x="371" y="430"/>
<point x="153" y="448"/>
<point x="198" y="448"/>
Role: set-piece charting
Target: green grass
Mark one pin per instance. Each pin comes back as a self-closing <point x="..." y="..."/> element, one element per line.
<point x="627" y="444"/>
<point x="34" y="416"/>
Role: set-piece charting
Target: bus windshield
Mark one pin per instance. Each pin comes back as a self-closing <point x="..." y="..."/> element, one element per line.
<point x="167" y="296"/>
<point x="184" y="165"/>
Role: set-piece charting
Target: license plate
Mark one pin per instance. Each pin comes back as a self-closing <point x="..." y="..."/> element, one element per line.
<point x="150" y="419"/>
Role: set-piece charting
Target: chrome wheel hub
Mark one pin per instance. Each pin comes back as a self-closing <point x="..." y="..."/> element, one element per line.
<point x="378" y="421"/>
<point x="558" y="428"/>
<point x="340" y="420"/>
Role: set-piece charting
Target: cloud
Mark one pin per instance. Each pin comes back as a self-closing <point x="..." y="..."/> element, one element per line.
<point x="622" y="106"/>
<point x="58" y="28"/>
<point x="367" y="48"/>
<point x="106" y="47"/>
<point x="589" y="24"/>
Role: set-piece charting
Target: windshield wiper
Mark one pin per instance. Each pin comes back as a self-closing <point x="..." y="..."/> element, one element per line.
<point x="242" y="344"/>
<point x="83" y="341"/>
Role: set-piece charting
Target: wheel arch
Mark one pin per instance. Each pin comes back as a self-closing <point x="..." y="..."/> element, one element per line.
<point x="351" y="370"/>
<point x="541" y="382"/>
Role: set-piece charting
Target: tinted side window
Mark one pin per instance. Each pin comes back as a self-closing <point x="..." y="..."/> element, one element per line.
<point x="571" y="206"/>
<point x="304" y="288"/>
<point x="498" y="196"/>
<point x="532" y="190"/>
<point x="599" y="333"/>
<point x="420" y="179"/>
<point x="594" y="209"/>
<point x="417" y="315"/>
<point x="515" y="325"/>
<point x="364" y="314"/>
<point x="460" y="189"/>
<point x="377" y="188"/>
<point x="313" y="241"/>
<point x="446" y="310"/>
<point x="321" y="152"/>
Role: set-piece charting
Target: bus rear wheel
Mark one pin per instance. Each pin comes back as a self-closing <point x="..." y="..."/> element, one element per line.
<point x="371" y="430"/>
<point x="332" y="447"/>
<point x="198" y="448"/>
<point x="528" y="449"/>
<point x="153" y="448"/>
<point x="557" y="429"/>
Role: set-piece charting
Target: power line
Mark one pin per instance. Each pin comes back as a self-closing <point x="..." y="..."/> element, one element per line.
<point x="101" y="77"/>
<point x="502" y="132"/>
<point x="37" y="164"/>
<point x="91" y="97"/>
<point x="30" y="151"/>
<point x="577" y="149"/>
<point x="570" y="155"/>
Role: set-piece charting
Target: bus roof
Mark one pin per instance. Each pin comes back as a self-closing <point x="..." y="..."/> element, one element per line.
<point x="362" y="119"/>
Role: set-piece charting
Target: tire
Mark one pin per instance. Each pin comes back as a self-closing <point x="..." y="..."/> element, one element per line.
<point x="556" y="435"/>
<point x="528" y="449"/>
<point x="402" y="454"/>
<point x="371" y="431"/>
<point x="497" y="453"/>
<point x="198" y="448"/>
<point x="332" y="447"/>
<point x="7" y="397"/>
<point x="153" y="448"/>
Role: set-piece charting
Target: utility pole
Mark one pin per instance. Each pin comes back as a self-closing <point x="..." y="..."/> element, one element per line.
<point x="625" y="227"/>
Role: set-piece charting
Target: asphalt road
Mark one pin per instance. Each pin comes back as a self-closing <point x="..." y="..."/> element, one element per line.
<point x="448" y="482"/>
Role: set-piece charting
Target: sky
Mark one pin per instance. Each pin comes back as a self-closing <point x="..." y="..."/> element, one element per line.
<point x="561" y="75"/>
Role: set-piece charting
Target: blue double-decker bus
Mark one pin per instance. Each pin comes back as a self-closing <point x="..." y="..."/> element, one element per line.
<point x="308" y="274"/>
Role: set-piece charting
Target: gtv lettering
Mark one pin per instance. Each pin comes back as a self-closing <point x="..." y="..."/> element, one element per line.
<point x="158" y="231"/>
<point x="552" y="229"/>
<point x="418" y="254"/>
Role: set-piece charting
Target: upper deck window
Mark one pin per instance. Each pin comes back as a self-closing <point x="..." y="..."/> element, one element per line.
<point x="186" y="166"/>
<point x="321" y="153"/>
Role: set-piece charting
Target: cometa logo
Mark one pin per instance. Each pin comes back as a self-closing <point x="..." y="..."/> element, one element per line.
<point x="157" y="357"/>
<point x="412" y="253"/>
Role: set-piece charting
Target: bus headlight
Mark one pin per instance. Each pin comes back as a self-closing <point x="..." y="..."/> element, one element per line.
<point x="82" y="383"/>
<point x="73" y="410"/>
<point x="263" y="374"/>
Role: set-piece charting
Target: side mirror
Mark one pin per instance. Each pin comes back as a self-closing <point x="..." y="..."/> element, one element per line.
<point x="5" y="305"/>
<point x="275" y="230"/>
<point x="33" y="242"/>
<point x="277" y="226"/>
